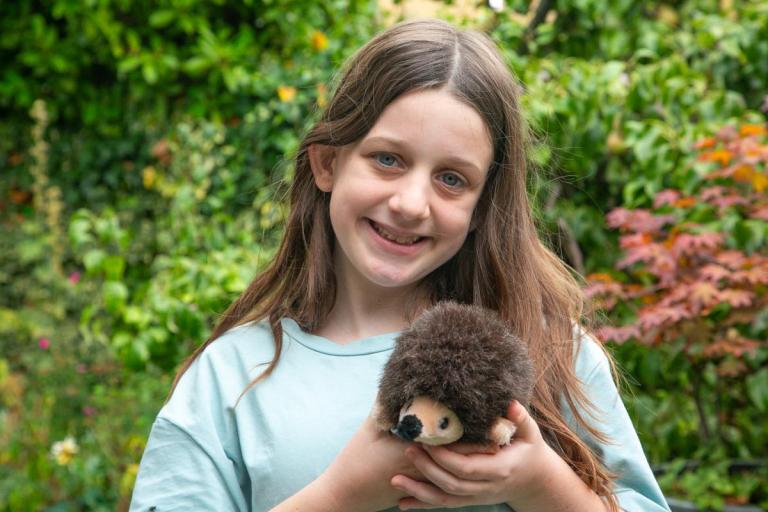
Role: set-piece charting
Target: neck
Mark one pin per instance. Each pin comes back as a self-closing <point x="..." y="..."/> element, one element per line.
<point x="363" y="309"/>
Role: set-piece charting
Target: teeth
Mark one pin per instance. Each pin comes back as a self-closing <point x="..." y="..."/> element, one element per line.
<point x="399" y="239"/>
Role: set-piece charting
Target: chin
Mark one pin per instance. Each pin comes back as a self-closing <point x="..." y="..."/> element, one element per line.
<point x="392" y="278"/>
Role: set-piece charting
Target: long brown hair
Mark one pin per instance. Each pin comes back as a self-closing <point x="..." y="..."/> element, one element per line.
<point x="502" y="265"/>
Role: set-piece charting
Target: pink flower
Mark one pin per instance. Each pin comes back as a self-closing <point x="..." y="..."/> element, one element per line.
<point x="43" y="343"/>
<point x="81" y="368"/>
<point x="74" y="277"/>
<point x="89" y="411"/>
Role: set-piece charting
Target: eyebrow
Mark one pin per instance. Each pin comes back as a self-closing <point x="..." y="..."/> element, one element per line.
<point x="402" y="144"/>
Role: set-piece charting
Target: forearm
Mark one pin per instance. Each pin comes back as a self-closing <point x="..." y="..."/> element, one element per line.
<point x="561" y="491"/>
<point x="315" y="497"/>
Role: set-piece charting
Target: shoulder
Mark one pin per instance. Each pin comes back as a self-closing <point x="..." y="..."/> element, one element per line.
<point x="217" y="377"/>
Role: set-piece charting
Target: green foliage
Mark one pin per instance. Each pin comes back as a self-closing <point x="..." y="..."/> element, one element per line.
<point x="619" y="104"/>
<point x="113" y="83"/>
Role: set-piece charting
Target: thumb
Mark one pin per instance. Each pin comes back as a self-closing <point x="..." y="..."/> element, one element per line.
<point x="527" y="429"/>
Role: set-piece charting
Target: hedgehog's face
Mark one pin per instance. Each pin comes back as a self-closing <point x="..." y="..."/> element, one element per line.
<point x="428" y="421"/>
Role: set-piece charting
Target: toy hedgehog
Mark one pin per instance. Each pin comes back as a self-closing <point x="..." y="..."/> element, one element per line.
<point x="452" y="376"/>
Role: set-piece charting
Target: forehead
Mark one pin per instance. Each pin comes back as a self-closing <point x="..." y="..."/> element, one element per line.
<point x="436" y="121"/>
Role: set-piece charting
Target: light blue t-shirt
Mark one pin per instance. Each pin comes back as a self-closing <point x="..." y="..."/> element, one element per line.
<point x="204" y="453"/>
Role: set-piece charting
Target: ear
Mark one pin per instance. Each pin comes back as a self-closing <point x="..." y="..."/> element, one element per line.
<point x="322" y="160"/>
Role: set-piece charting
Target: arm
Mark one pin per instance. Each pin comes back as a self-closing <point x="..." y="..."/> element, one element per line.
<point x="184" y="471"/>
<point x="635" y="488"/>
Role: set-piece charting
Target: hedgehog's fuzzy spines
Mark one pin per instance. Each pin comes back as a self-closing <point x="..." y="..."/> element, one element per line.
<point x="463" y="356"/>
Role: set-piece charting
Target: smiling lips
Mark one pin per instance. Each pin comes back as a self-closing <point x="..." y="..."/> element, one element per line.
<point x="399" y="239"/>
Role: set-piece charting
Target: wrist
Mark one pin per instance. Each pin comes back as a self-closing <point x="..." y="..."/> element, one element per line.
<point x="541" y="478"/>
<point x="555" y="487"/>
<point x="318" y="496"/>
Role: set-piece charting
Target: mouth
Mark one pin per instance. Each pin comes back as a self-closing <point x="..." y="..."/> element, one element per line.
<point x="393" y="237"/>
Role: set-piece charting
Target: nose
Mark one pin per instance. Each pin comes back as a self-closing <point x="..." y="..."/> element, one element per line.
<point x="409" y="427"/>
<point x="411" y="199"/>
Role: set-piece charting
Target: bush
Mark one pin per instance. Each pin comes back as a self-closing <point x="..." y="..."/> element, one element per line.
<point x="693" y="282"/>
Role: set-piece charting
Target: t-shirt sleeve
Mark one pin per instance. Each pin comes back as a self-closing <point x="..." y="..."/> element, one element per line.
<point x="193" y="460"/>
<point x="184" y="471"/>
<point x="636" y="488"/>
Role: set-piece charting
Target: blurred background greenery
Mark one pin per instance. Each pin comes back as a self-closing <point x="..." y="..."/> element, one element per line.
<point x="141" y="149"/>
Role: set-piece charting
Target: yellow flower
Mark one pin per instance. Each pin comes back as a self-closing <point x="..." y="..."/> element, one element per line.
<point x="319" y="41"/>
<point x="760" y="182"/>
<point x="128" y="479"/>
<point x="286" y="93"/>
<point x="322" y="95"/>
<point x="149" y="176"/>
<point x="64" y="451"/>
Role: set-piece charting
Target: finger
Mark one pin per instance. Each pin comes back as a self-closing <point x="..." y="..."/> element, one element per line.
<point x="527" y="429"/>
<point x="424" y="495"/>
<point x="453" y="472"/>
<point x="467" y="448"/>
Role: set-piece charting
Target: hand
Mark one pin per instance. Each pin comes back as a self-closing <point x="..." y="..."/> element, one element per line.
<point x="462" y="475"/>
<point x="359" y="478"/>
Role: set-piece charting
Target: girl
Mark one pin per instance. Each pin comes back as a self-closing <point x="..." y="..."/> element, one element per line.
<point x="410" y="189"/>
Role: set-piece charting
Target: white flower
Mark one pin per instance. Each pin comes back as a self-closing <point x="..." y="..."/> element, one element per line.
<point x="64" y="451"/>
<point x="496" y="5"/>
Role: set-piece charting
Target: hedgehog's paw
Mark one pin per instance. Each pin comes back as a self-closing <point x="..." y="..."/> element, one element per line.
<point x="502" y="431"/>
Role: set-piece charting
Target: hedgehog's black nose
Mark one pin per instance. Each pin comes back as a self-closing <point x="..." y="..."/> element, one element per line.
<point x="409" y="427"/>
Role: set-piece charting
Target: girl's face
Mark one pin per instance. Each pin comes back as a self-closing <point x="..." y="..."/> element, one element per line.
<point x="402" y="197"/>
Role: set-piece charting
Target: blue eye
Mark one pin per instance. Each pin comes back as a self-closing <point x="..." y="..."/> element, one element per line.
<point x="385" y="159"/>
<point x="451" y="179"/>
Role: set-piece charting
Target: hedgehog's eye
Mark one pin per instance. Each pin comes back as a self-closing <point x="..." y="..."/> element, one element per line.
<point x="444" y="423"/>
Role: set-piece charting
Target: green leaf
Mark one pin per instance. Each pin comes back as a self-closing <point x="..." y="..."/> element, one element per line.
<point x="162" y="18"/>
<point x="757" y="389"/>
<point x="93" y="260"/>
<point x="114" y="266"/>
<point x="115" y="295"/>
<point x="149" y="72"/>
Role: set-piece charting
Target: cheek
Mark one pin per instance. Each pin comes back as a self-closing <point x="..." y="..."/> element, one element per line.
<point x="456" y="223"/>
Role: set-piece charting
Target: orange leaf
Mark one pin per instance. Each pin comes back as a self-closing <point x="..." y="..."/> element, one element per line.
<point x="748" y="130"/>
<point x="685" y="202"/>
<point x="743" y="173"/>
<point x="723" y="156"/>
<point x="601" y="277"/>
<point x="707" y="143"/>
<point x="703" y="294"/>
<point x="759" y="182"/>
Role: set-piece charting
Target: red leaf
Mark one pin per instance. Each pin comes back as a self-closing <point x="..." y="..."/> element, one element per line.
<point x="736" y="346"/>
<point x="638" y="221"/>
<point x="731" y="259"/>
<point x="761" y="212"/>
<point x="730" y="200"/>
<point x="617" y="334"/>
<point x="737" y="298"/>
<point x="660" y="261"/>
<point x="687" y="243"/>
<point x="710" y="193"/>
<point x="668" y="196"/>
<point x="712" y="272"/>
<point x="754" y="275"/>
<point x="658" y="316"/>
